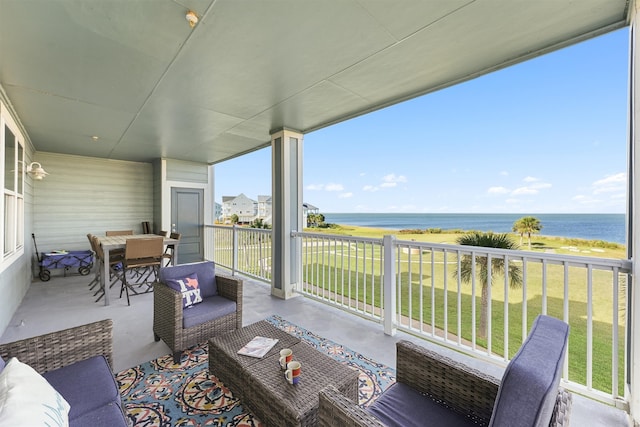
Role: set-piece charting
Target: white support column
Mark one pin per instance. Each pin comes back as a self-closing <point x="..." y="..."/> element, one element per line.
<point x="286" y="252"/>
<point x="633" y="213"/>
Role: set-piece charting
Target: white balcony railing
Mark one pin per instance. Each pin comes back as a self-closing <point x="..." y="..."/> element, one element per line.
<point x="240" y="249"/>
<point x="419" y="288"/>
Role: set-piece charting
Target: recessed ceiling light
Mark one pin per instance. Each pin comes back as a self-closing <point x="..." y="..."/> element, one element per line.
<point x="192" y="18"/>
<point x="95" y="137"/>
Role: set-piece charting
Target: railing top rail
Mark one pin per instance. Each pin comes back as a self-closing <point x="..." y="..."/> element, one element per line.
<point x="520" y="254"/>
<point x="240" y="228"/>
<point x="335" y="237"/>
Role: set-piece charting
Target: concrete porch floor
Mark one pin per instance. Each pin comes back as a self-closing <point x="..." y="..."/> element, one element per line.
<point x="64" y="302"/>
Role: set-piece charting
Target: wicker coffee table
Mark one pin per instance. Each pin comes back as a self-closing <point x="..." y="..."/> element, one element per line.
<point x="260" y="383"/>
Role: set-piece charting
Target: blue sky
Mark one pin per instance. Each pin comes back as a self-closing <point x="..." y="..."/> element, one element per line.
<point x="545" y="136"/>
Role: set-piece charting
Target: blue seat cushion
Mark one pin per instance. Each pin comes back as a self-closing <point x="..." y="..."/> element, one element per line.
<point x="206" y="276"/>
<point x="87" y="386"/>
<point x="529" y="386"/>
<point x="209" y="309"/>
<point x="2" y="364"/>
<point x="401" y="405"/>
<point x="109" y="415"/>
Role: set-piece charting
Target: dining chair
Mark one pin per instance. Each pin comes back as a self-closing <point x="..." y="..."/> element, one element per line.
<point x="118" y="233"/>
<point x="142" y="257"/>
<point x="146" y="227"/>
<point x="115" y="266"/>
<point x="169" y="252"/>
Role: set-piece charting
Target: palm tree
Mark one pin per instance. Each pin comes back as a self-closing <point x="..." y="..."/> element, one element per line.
<point x="528" y="225"/>
<point x="487" y="240"/>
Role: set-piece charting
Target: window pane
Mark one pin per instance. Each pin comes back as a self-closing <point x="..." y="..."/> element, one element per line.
<point x="9" y="224"/>
<point x="9" y="159"/>
<point x="20" y="168"/>
<point x="20" y="222"/>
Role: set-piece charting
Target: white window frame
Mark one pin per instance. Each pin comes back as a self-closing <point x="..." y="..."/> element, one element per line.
<point x="11" y="251"/>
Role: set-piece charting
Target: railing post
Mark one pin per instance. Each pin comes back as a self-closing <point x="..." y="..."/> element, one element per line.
<point x="234" y="259"/>
<point x="389" y="284"/>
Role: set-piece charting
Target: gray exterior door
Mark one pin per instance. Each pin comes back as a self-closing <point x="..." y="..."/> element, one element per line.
<point x="187" y="218"/>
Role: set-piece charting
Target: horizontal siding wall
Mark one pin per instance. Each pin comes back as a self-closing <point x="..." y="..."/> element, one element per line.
<point x="89" y="195"/>
<point x="178" y="170"/>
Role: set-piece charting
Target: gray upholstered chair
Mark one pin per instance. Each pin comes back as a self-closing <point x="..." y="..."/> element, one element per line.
<point x="434" y="390"/>
<point x="219" y="312"/>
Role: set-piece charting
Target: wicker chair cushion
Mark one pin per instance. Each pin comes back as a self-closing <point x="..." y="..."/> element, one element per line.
<point x="401" y="405"/>
<point x="209" y="309"/>
<point x="529" y="386"/>
<point x="188" y="287"/>
<point x="104" y="416"/>
<point x="87" y="385"/>
<point x="206" y="275"/>
<point x="27" y="399"/>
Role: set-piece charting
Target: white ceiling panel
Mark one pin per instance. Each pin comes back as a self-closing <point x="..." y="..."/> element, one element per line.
<point x="136" y="74"/>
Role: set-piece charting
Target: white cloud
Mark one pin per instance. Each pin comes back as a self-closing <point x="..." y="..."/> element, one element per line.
<point x="540" y="185"/>
<point x="393" y="178"/>
<point x="497" y="190"/>
<point x="524" y="190"/>
<point x="533" y="186"/>
<point x="611" y="184"/>
<point x="388" y="181"/>
<point x="334" y="187"/>
<point x="504" y="173"/>
<point x="325" y="187"/>
<point x="345" y="195"/>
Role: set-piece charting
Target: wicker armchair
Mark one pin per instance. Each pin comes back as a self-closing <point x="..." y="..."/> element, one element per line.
<point x="58" y="349"/>
<point x="457" y="388"/>
<point x="77" y="362"/>
<point x="168" y="313"/>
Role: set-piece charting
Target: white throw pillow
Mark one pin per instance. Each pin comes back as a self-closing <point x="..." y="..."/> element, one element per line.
<point x="27" y="399"/>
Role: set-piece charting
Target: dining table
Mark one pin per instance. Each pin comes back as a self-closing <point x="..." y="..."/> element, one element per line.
<point x="109" y="243"/>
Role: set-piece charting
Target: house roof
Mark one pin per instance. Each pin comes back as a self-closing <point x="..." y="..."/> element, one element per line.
<point x="137" y="77"/>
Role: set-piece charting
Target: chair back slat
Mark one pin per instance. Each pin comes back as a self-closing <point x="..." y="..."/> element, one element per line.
<point x="97" y="248"/>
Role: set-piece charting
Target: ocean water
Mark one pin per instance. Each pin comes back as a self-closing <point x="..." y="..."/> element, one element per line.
<point x="607" y="227"/>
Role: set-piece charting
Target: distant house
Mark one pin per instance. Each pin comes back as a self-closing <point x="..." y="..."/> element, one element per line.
<point x="308" y="208"/>
<point x="217" y="211"/>
<point x="248" y="209"/>
<point x="245" y="208"/>
<point x="265" y="209"/>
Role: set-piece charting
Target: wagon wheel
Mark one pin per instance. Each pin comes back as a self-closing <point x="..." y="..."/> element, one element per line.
<point x="84" y="270"/>
<point x="44" y="275"/>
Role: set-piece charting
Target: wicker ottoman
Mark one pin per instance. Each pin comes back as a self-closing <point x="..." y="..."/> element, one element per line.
<point x="260" y="383"/>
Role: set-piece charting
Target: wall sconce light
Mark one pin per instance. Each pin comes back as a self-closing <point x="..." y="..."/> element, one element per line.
<point x="36" y="171"/>
<point x="192" y="18"/>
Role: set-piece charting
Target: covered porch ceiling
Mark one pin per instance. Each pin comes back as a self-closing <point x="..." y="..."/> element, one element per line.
<point x="135" y="75"/>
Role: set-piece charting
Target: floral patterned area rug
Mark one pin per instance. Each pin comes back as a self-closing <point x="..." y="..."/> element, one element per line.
<point x="161" y="393"/>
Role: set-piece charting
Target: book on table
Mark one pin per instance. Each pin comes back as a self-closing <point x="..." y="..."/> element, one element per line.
<point x="258" y="347"/>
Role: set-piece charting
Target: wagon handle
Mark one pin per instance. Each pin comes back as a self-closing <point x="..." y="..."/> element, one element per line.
<point x="35" y="245"/>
